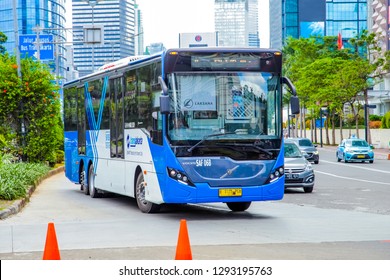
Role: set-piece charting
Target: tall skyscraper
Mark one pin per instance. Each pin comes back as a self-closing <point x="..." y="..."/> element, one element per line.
<point x="139" y="30"/>
<point x="93" y="48"/>
<point x="236" y="22"/>
<point x="49" y="15"/>
<point x="302" y="18"/>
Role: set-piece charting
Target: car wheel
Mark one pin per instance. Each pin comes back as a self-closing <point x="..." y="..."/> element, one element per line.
<point x="238" y="206"/>
<point x="93" y="192"/>
<point x="372" y="161"/>
<point x="337" y="156"/>
<point x="316" y="161"/>
<point x="308" y="189"/>
<point x="144" y="205"/>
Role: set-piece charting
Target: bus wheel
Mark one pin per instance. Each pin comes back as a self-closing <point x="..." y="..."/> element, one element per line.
<point x="83" y="182"/>
<point x="144" y="205"/>
<point x="238" y="206"/>
<point x="93" y="192"/>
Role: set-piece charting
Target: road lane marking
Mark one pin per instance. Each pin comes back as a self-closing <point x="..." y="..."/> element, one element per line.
<point x="354" y="179"/>
<point x="355" y="166"/>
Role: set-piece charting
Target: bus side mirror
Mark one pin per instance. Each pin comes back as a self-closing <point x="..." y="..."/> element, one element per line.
<point x="294" y="100"/>
<point x="294" y="104"/>
<point x="165" y="106"/>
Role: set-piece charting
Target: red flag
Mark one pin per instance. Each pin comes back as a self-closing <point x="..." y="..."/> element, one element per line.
<point x="339" y="42"/>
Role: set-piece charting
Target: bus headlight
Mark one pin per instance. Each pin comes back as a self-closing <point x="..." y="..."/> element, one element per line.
<point x="179" y="176"/>
<point x="275" y="175"/>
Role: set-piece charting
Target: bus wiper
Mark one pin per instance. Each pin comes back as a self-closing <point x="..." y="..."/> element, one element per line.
<point x="254" y="146"/>
<point x="207" y="137"/>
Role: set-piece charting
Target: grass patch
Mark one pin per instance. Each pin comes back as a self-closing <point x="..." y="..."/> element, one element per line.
<point x="15" y="179"/>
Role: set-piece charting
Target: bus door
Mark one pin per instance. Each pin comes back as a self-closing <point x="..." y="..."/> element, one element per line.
<point x="116" y="164"/>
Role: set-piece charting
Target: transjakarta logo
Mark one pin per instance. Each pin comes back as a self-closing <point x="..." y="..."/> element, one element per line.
<point x="133" y="141"/>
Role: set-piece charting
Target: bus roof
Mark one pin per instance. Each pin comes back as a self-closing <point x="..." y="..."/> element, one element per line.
<point x="130" y="60"/>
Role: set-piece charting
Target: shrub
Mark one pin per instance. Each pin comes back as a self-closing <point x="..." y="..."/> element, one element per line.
<point x="375" y="124"/>
<point x="15" y="179"/>
<point x="386" y="120"/>
<point x="375" y="118"/>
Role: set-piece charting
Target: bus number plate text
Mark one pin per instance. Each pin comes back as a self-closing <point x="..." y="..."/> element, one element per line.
<point x="230" y="192"/>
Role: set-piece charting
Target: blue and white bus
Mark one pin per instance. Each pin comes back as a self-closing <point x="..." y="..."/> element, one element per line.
<point x="195" y="125"/>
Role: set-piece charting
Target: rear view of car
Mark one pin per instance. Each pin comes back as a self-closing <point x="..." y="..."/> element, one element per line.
<point x="298" y="171"/>
<point x="354" y="150"/>
<point x="307" y="146"/>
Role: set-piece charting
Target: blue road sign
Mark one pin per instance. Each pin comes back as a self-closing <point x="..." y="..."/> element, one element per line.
<point x="28" y="46"/>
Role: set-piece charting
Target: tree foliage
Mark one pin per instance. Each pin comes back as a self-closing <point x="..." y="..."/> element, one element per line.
<point x="30" y="108"/>
<point x="326" y="76"/>
<point x="3" y="39"/>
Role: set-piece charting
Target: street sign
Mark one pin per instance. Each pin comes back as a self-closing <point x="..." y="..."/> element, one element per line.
<point x="28" y="46"/>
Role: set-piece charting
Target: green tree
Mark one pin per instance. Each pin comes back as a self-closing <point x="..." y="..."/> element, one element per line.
<point x="327" y="76"/>
<point x="3" y="39"/>
<point x="31" y="104"/>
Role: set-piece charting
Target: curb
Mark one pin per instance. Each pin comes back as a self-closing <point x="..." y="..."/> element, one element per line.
<point x="18" y="205"/>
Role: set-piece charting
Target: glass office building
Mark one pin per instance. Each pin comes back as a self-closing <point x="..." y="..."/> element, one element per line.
<point x="236" y="22"/>
<point x="49" y="15"/>
<point x="349" y="17"/>
<point x="303" y="18"/>
<point x="116" y="18"/>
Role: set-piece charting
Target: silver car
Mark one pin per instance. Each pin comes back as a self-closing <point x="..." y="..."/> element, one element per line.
<point x="298" y="170"/>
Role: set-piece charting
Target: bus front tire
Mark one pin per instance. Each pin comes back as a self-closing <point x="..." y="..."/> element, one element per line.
<point x="144" y="205"/>
<point x="238" y="206"/>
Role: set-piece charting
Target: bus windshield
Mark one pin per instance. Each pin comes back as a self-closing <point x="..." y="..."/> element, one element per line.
<point x="220" y="106"/>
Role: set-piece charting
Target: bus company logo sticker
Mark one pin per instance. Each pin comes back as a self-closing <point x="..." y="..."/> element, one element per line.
<point x="198" y="38"/>
<point x="188" y="103"/>
<point x="133" y="141"/>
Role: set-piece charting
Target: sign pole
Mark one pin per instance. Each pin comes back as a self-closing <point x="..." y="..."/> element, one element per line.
<point x="16" y="28"/>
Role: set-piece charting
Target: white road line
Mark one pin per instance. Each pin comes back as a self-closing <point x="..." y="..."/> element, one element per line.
<point x="356" y="166"/>
<point x="350" y="178"/>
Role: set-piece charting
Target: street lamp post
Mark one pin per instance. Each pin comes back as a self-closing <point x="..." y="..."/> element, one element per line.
<point x="93" y="3"/>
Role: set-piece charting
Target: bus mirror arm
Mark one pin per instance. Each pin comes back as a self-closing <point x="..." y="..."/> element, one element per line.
<point x="163" y="85"/>
<point x="294" y="100"/>
<point x="290" y="85"/>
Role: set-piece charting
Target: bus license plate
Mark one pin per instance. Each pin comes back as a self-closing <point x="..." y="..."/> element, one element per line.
<point x="230" y="192"/>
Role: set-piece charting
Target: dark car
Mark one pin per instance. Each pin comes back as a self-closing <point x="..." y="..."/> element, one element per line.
<point x="307" y="146"/>
<point x="298" y="171"/>
<point x="356" y="150"/>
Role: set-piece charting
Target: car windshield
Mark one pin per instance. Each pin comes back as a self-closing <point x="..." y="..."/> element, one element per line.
<point x="356" y="143"/>
<point x="291" y="151"/>
<point x="305" y="143"/>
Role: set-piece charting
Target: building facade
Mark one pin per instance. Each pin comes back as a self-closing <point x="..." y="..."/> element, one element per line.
<point x="139" y="32"/>
<point x="236" y="22"/>
<point x="303" y="18"/>
<point x="49" y="16"/>
<point x="103" y="31"/>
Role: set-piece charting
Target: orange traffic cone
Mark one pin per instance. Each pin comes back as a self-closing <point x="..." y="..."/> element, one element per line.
<point x="51" y="247"/>
<point x="183" y="249"/>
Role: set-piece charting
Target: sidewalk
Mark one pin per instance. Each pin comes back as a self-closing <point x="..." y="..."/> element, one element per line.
<point x="380" y="153"/>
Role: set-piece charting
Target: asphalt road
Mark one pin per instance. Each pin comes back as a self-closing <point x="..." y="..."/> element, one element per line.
<point x="346" y="217"/>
